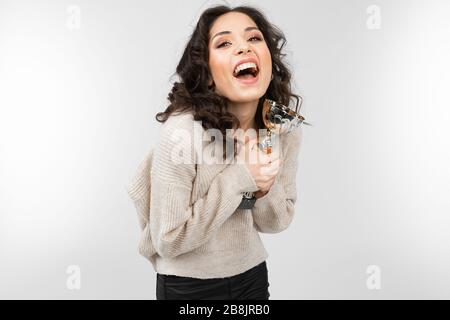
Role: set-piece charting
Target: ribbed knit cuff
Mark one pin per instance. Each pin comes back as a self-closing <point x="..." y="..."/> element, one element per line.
<point x="242" y="178"/>
<point x="275" y="195"/>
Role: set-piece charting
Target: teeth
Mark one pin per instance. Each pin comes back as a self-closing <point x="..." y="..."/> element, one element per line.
<point x="245" y="66"/>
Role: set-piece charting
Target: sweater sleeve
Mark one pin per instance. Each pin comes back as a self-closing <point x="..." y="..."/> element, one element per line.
<point x="177" y="225"/>
<point x="273" y="212"/>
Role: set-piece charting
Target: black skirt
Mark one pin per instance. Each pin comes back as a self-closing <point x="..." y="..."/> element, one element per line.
<point x="252" y="284"/>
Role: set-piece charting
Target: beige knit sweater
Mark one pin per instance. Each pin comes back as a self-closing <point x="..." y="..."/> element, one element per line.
<point x="187" y="210"/>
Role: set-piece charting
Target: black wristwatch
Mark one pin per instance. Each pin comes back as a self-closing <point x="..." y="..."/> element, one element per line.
<point x="248" y="201"/>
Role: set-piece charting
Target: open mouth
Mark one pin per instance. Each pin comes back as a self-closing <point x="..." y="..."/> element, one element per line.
<point x="247" y="73"/>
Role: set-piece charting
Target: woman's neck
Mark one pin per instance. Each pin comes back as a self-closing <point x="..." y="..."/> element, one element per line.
<point x="245" y="112"/>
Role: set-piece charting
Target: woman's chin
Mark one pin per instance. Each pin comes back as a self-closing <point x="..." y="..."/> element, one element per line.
<point x="239" y="98"/>
<point x="247" y="94"/>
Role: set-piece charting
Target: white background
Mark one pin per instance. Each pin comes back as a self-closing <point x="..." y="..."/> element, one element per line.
<point x="77" y="107"/>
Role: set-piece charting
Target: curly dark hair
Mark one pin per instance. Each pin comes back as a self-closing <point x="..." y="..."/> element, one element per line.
<point x="194" y="94"/>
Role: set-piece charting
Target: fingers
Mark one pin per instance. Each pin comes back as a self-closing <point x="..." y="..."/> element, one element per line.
<point x="269" y="158"/>
<point x="257" y="156"/>
<point x="251" y="152"/>
<point x="271" y="169"/>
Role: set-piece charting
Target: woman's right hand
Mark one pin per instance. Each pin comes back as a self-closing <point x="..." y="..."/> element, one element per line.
<point x="263" y="167"/>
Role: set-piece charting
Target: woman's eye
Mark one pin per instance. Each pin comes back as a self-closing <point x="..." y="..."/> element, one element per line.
<point x="223" y="43"/>
<point x="255" y="37"/>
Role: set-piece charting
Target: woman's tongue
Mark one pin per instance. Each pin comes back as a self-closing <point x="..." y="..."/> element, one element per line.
<point x="246" y="76"/>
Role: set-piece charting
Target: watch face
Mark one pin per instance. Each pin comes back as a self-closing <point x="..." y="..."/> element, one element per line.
<point x="249" y="195"/>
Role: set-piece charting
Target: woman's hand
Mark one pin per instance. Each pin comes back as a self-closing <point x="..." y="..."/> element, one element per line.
<point x="263" y="167"/>
<point x="259" y="194"/>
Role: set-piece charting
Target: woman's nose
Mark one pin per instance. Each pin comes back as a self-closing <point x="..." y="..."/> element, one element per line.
<point x="243" y="48"/>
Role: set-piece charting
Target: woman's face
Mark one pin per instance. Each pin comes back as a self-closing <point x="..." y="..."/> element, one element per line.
<point x="226" y="50"/>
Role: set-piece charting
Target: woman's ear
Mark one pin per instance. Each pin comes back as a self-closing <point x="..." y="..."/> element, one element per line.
<point x="211" y="84"/>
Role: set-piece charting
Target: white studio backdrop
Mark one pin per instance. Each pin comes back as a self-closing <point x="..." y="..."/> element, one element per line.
<point x="81" y="82"/>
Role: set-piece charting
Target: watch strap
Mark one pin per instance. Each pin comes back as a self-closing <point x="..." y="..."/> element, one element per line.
<point x="248" y="201"/>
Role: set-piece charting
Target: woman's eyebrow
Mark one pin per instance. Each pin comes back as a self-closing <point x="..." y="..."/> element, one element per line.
<point x="227" y="32"/>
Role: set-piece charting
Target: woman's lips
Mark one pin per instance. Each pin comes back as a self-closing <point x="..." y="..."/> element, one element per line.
<point x="249" y="80"/>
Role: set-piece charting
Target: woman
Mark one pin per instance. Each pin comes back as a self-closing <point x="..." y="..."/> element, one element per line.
<point x="201" y="242"/>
